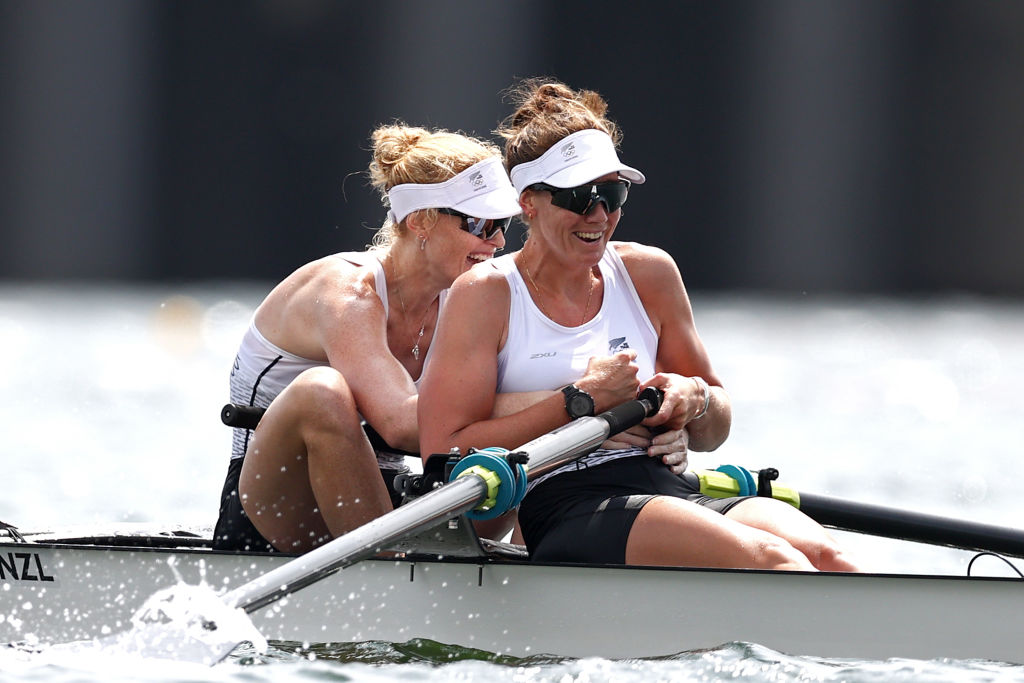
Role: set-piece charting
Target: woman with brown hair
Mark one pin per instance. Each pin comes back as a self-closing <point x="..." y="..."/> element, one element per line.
<point x="344" y="339"/>
<point x="593" y="321"/>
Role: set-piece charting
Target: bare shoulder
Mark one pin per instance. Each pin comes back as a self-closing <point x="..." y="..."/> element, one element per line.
<point x="484" y="279"/>
<point x="330" y="279"/>
<point x="330" y="286"/>
<point x="335" y="271"/>
<point x="482" y="295"/>
<point x="644" y="261"/>
<point x="657" y="281"/>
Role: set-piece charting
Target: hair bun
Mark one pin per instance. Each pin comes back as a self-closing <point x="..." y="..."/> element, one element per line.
<point x="546" y="111"/>
<point x="392" y="144"/>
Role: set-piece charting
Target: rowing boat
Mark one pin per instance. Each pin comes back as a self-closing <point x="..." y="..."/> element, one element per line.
<point x="420" y="572"/>
<point x="76" y="584"/>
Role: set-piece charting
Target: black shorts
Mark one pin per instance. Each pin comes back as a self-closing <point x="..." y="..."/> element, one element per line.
<point x="234" y="530"/>
<point x="586" y="515"/>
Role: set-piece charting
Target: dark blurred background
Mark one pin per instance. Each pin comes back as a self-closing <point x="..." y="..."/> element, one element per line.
<point x="793" y="145"/>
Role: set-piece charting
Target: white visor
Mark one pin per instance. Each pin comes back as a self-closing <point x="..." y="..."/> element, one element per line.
<point x="481" y="191"/>
<point x="574" y="160"/>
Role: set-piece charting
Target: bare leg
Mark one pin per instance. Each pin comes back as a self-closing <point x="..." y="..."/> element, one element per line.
<point x="496" y="528"/>
<point x="675" y="532"/>
<point x="310" y="474"/>
<point x="517" y="534"/>
<point x="806" y="535"/>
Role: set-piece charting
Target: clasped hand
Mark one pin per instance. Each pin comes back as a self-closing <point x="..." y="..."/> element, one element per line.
<point x="612" y="380"/>
<point x="671" y="445"/>
<point x="683" y="399"/>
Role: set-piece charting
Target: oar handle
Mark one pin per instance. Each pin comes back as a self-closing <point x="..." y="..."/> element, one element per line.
<point x="583" y="435"/>
<point x="622" y="417"/>
<point x="241" y="416"/>
<point x="248" y="417"/>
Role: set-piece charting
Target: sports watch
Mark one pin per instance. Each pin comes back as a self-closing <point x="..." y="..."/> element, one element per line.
<point x="578" y="403"/>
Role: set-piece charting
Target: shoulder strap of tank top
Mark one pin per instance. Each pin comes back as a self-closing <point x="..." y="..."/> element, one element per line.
<point x="614" y="262"/>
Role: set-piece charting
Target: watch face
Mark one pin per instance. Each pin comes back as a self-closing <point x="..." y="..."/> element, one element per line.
<point x="579" y="405"/>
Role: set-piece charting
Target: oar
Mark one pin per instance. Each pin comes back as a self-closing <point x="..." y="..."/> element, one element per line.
<point x="907" y="525"/>
<point x="875" y="520"/>
<point x="457" y="497"/>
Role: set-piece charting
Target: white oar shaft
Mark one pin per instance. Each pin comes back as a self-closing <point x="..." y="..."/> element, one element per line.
<point x="564" y="444"/>
<point x="450" y="500"/>
<point x="366" y="541"/>
<point x="466" y="492"/>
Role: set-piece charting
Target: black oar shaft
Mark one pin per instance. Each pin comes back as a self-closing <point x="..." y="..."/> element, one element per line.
<point x="911" y="526"/>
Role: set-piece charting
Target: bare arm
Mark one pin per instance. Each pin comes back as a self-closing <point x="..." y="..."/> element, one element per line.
<point x="681" y="353"/>
<point x="509" y="404"/>
<point x="459" y="385"/>
<point x="329" y="311"/>
<point x="354" y="333"/>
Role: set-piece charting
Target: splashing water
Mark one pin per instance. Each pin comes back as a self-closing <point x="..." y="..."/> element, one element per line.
<point x="186" y="622"/>
<point x="177" y="634"/>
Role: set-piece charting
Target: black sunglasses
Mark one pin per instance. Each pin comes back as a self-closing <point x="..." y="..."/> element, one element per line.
<point x="582" y="199"/>
<point x="479" y="226"/>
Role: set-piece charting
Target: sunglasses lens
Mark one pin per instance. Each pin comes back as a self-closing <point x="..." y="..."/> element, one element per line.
<point x="583" y="198"/>
<point x="569" y="199"/>
<point x="479" y="226"/>
<point x="613" y="194"/>
<point x="575" y="199"/>
<point x="499" y="225"/>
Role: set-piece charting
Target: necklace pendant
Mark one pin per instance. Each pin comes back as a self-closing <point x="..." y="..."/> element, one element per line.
<point x="416" y="346"/>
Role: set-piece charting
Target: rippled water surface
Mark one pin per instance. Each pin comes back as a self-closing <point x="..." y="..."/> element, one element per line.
<point x="110" y="406"/>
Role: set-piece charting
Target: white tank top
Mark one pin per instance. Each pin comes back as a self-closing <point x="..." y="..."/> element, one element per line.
<point x="262" y="370"/>
<point x="541" y="354"/>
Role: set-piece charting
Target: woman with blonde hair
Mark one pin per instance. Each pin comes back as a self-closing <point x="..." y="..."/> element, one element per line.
<point x="593" y="321"/>
<point x="344" y="339"/>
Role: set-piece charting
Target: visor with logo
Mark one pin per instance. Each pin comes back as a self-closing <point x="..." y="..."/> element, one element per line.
<point x="575" y="160"/>
<point x="482" y="191"/>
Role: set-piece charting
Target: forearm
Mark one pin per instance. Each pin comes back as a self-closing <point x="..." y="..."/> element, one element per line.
<point x="399" y="427"/>
<point x="504" y="429"/>
<point x="468" y="415"/>
<point x="509" y="404"/>
<point x="710" y="431"/>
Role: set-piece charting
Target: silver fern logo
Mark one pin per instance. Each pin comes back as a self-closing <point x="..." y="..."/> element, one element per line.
<point x="617" y="344"/>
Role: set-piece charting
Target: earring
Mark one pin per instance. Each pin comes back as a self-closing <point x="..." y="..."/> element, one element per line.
<point x="423" y="243"/>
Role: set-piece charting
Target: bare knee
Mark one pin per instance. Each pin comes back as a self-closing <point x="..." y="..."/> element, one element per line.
<point x="323" y="399"/>
<point x="774" y="552"/>
<point x="829" y="556"/>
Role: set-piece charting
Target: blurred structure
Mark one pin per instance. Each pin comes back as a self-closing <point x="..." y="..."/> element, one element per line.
<point x="790" y="145"/>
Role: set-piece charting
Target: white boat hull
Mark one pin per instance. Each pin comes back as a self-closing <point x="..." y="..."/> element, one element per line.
<point x="54" y="593"/>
